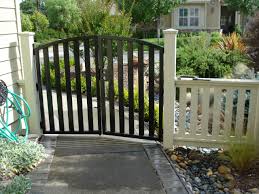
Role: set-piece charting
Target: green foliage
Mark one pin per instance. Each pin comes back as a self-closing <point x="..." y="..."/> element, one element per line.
<point x="198" y="57"/>
<point x="117" y="25"/>
<point x="49" y="35"/>
<point x="63" y="15"/>
<point x="146" y="11"/>
<point x="28" y="6"/>
<point x="63" y="78"/>
<point x="19" y="185"/>
<point x="247" y="7"/>
<point x="27" y="24"/>
<point x="97" y="20"/>
<point x="40" y="21"/>
<point x="92" y="14"/>
<point x="17" y="158"/>
<point x="243" y="153"/>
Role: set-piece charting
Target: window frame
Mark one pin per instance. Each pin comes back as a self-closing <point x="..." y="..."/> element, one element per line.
<point x="193" y="13"/>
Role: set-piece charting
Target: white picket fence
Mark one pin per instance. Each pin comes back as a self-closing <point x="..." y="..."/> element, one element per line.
<point x="212" y="112"/>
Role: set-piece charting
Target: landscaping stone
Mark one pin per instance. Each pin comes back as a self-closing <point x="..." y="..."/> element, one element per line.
<point x="203" y="171"/>
<point x="224" y="170"/>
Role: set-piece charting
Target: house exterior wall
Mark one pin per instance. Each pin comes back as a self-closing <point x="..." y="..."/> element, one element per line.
<point x="10" y="55"/>
<point x="209" y="16"/>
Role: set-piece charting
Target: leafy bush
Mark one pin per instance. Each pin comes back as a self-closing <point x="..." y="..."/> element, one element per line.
<point x="232" y="42"/>
<point x="27" y="24"/>
<point x="49" y="35"/>
<point x="63" y="78"/>
<point x="19" y="185"/>
<point x="17" y="158"/>
<point x="243" y="154"/>
<point x="40" y="21"/>
<point x="198" y="57"/>
<point x="64" y="15"/>
<point x="97" y="20"/>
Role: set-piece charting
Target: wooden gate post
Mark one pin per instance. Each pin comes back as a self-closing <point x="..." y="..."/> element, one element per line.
<point x="169" y="86"/>
<point x="29" y="76"/>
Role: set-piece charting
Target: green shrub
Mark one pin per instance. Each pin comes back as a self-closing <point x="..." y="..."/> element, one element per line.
<point x="243" y="153"/>
<point x="40" y="21"/>
<point x="198" y="58"/>
<point x="17" y="158"/>
<point x="19" y="185"/>
<point x="27" y="24"/>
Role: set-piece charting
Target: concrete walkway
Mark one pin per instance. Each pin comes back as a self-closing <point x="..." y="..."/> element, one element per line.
<point x="94" y="164"/>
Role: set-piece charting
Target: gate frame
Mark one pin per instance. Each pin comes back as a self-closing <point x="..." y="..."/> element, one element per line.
<point x="169" y="83"/>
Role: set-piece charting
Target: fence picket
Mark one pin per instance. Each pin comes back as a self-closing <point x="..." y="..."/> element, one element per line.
<point x="120" y="83"/>
<point x="194" y="109"/>
<point x="68" y="87"/>
<point x="216" y="112"/>
<point x="111" y="86"/>
<point x="240" y="113"/>
<point x="151" y="91"/>
<point x="182" y="111"/>
<point x="141" y="88"/>
<point x="131" y="87"/>
<point x="228" y="113"/>
<point x="251" y="113"/>
<point x="205" y="111"/>
<point x="58" y="87"/>
<point x="39" y="80"/>
<point x="49" y="90"/>
<point x="88" y="84"/>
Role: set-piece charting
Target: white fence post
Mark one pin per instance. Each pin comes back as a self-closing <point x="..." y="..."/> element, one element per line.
<point x="257" y="117"/>
<point x="169" y="86"/>
<point x="29" y="75"/>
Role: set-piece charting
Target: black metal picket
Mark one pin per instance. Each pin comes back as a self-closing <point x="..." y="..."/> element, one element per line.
<point x="98" y="54"/>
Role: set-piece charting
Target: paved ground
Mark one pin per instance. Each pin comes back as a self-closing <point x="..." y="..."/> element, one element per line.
<point x="96" y="165"/>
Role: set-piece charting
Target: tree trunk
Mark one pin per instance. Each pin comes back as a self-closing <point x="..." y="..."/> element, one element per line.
<point x="158" y="29"/>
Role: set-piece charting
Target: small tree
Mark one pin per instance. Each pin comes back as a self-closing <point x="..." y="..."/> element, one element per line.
<point x="247" y="7"/>
<point x="28" y="6"/>
<point x="97" y="19"/>
<point x="40" y="22"/>
<point x="63" y="15"/>
<point x="147" y="11"/>
<point x="252" y="39"/>
<point x="27" y="25"/>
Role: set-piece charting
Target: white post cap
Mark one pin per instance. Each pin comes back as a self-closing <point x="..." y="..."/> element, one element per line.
<point x="170" y="31"/>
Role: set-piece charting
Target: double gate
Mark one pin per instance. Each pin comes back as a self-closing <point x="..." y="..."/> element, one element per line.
<point x="101" y="85"/>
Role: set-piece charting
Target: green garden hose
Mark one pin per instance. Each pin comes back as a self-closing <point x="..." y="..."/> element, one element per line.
<point x="10" y="103"/>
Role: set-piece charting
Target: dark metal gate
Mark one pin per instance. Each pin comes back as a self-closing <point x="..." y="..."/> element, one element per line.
<point x="101" y="85"/>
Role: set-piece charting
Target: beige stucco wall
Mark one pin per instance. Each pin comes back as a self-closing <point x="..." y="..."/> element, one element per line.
<point x="213" y="15"/>
<point x="209" y="15"/>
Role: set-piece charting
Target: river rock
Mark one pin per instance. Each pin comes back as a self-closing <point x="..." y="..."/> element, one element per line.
<point x="210" y="172"/>
<point x="182" y="165"/>
<point x="229" y="177"/>
<point x="224" y="170"/>
<point x="174" y="157"/>
<point x="254" y="190"/>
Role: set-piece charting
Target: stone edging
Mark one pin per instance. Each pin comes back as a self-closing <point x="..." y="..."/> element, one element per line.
<point x="39" y="176"/>
<point x="165" y="170"/>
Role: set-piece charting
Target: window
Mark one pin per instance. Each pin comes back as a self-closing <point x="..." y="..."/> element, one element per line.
<point x="194" y="17"/>
<point x="183" y="17"/>
<point x="189" y="17"/>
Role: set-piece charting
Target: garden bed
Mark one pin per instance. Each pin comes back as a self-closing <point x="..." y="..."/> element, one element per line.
<point x="212" y="171"/>
<point x="17" y="160"/>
